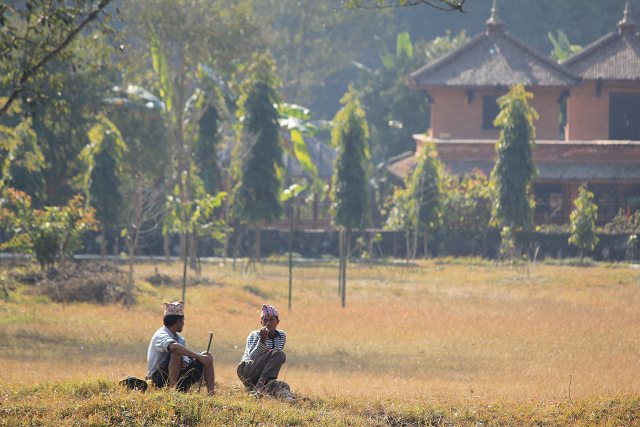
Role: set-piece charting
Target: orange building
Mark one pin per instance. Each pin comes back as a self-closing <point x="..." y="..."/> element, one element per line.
<point x="600" y="87"/>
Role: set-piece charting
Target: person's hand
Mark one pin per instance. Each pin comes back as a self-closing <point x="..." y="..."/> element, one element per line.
<point x="205" y="357"/>
<point x="264" y="333"/>
<point x="183" y="365"/>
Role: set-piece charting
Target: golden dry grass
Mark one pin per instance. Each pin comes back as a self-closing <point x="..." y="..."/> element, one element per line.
<point x="436" y="331"/>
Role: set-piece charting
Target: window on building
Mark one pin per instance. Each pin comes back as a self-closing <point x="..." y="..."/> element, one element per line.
<point x="490" y="110"/>
<point x="624" y="116"/>
<point x="548" y="202"/>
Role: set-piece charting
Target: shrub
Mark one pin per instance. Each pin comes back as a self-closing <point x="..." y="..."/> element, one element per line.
<point x="583" y="222"/>
<point x="466" y="208"/>
<point x="624" y="223"/>
<point x="50" y="234"/>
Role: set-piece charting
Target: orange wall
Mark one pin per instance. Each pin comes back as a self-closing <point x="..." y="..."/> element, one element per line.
<point x="588" y="114"/>
<point x="452" y="117"/>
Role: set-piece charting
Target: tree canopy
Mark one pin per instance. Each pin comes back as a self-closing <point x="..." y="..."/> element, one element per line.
<point x="583" y="222"/>
<point x="350" y="179"/>
<point x="395" y="112"/>
<point x="33" y="35"/>
<point x="514" y="170"/>
<point x="257" y="196"/>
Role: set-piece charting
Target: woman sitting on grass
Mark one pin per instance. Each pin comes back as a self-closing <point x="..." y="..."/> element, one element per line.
<point x="264" y="356"/>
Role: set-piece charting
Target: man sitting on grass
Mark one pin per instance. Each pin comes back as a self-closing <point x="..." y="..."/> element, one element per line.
<point x="264" y="356"/>
<point x="169" y="361"/>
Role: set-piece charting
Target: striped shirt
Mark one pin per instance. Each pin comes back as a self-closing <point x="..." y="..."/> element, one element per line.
<point x="255" y="348"/>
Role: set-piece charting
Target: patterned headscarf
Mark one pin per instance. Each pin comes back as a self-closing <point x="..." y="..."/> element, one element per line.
<point x="268" y="310"/>
<point x="174" y="308"/>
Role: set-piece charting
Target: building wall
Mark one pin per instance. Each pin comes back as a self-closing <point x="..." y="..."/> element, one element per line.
<point x="588" y="113"/>
<point x="453" y="117"/>
<point x="544" y="151"/>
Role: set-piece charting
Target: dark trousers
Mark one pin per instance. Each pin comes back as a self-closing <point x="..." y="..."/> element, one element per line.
<point x="188" y="376"/>
<point x="267" y="365"/>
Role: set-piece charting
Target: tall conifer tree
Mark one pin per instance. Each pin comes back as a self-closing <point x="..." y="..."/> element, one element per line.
<point x="350" y="195"/>
<point x="257" y="195"/>
<point x="514" y="170"/>
<point x="424" y="188"/>
<point x="205" y="149"/>
<point x="102" y="180"/>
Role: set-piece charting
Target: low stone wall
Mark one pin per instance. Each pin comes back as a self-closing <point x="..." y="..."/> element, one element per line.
<point x="610" y="247"/>
<point x="389" y="244"/>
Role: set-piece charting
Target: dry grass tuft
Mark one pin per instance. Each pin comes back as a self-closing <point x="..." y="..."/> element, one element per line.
<point x="442" y="331"/>
<point x="100" y="402"/>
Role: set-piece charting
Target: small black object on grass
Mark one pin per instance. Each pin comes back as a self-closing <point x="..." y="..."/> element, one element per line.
<point x="134" y="383"/>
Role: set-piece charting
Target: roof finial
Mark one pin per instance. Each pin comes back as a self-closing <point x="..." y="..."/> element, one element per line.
<point x="626" y="26"/>
<point x="494" y="10"/>
<point x="494" y="24"/>
<point x="626" y="12"/>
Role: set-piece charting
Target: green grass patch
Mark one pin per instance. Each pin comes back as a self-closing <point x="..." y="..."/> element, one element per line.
<point x="100" y="402"/>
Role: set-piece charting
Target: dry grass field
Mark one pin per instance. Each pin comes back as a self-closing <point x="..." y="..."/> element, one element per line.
<point x="444" y="329"/>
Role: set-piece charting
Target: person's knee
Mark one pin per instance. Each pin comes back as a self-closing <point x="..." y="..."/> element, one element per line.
<point x="280" y="355"/>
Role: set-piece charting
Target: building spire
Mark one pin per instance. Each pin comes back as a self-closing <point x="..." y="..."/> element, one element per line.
<point x="494" y="24"/>
<point x="626" y="26"/>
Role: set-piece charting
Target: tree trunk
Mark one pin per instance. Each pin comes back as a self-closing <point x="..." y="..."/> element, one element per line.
<point x="227" y="210"/>
<point x="395" y="244"/>
<point x="426" y="252"/>
<point x="116" y="252"/>
<point x="184" y="270"/>
<point x="370" y="249"/>
<point x="236" y="248"/>
<point x="129" y="293"/>
<point x="406" y="234"/>
<point x="341" y="262"/>
<point x="103" y="243"/>
<point x="344" y="269"/>
<point x="167" y="251"/>
<point x="258" y="242"/>
<point x="316" y="196"/>
<point x="297" y="215"/>
<point x="193" y="259"/>
<point x="415" y="243"/>
<point x="290" y="255"/>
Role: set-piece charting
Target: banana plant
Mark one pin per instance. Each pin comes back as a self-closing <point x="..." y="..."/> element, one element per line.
<point x="296" y="120"/>
<point x="403" y="48"/>
<point x="562" y="47"/>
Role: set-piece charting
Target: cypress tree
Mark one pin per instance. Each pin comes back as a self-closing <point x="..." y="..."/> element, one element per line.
<point x="257" y="194"/>
<point x="350" y="196"/>
<point x="206" y="157"/>
<point x="424" y="188"/>
<point x="514" y="170"/>
<point x="104" y="158"/>
<point x="349" y="136"/>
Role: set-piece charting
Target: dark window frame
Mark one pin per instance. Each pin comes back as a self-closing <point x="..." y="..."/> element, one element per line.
<point x="624" y="116"/>
<point x="489" y="107"/>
